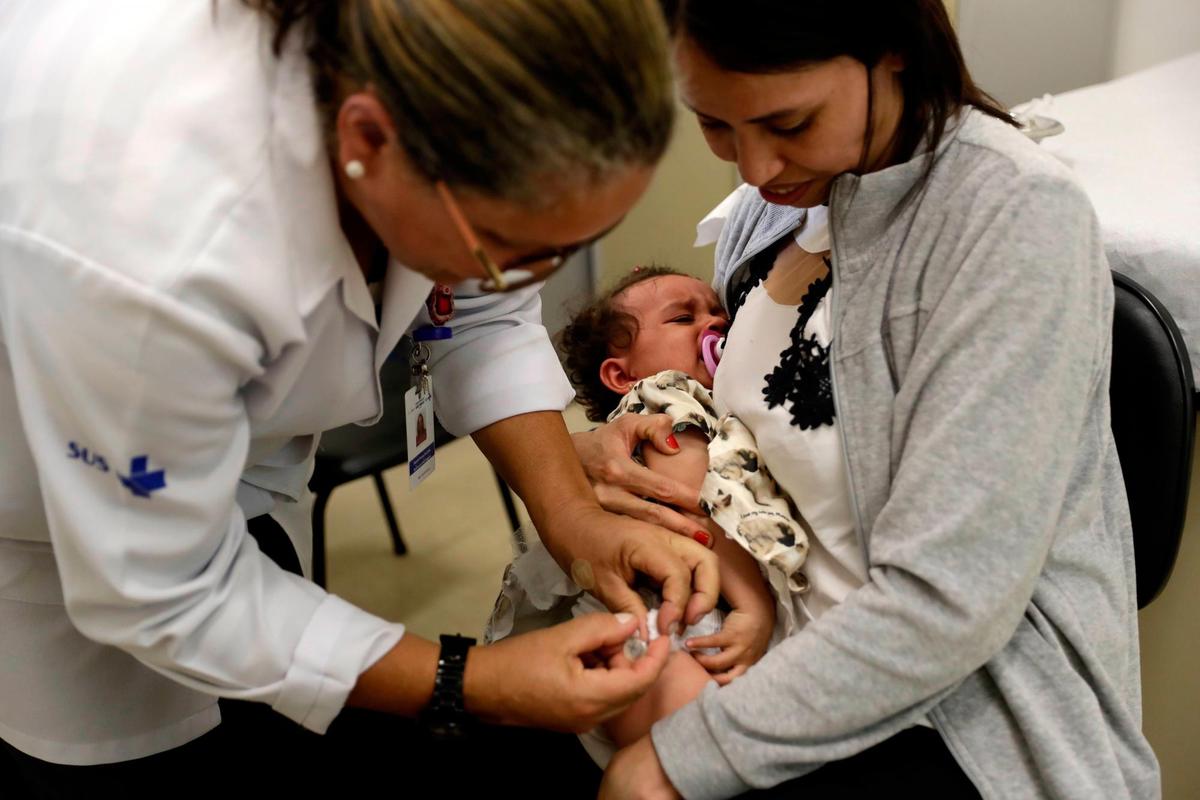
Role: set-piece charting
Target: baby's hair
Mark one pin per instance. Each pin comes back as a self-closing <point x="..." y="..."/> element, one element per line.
<point x="594" y="333"/>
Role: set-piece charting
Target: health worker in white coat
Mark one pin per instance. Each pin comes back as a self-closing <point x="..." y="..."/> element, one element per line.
<point x="194" y="200"/>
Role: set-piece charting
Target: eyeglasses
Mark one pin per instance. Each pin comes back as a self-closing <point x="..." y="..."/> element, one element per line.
<point x="515" y="274"/>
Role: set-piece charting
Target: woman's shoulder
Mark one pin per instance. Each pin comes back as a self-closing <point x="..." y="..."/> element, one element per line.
<point x="987" y="174"/>
<point x="153" y="121"/>
<point x="173" y="148"/>
<point x="1001" y="209"/>
<point x="991" y="156"/>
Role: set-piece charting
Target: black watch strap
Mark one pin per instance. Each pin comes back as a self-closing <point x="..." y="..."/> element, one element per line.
<point x="446" y="715"/>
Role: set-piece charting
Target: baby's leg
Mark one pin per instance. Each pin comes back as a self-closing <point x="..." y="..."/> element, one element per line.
<point x="680" y="682"/>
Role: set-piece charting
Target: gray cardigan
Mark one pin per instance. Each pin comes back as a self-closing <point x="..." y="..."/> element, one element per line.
<point x="970" y="367"/>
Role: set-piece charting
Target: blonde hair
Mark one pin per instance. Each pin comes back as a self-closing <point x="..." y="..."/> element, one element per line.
<point x="498" y="96"/>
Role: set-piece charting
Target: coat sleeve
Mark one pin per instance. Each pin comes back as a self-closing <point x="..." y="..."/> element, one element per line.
<point x="1004" y="372"/>
<point x="499" y="362"/>
<point x="151" y="547"/>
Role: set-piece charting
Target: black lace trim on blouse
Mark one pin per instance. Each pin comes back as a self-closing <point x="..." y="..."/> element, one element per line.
<point x="802" y="377"/>
<point x="751" y="275"/>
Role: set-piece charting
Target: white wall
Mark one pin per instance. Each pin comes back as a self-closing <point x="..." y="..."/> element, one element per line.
<point x="1149" y="32"/>
<point x="1021" y="49"/>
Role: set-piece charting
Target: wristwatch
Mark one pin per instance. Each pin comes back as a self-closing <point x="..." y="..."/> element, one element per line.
<point x="446" y="716"/>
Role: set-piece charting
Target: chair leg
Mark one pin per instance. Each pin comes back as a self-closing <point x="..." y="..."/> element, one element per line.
<point x="393" y="528"/>
<point x="509" y="506"/>
<point x="318" y="538"/>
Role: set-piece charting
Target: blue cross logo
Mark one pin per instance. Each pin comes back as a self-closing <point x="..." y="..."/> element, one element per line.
<point x="142" y="481"/>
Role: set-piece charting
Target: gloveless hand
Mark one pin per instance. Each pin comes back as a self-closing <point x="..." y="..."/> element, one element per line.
<point x="622" y="485"/>
<point x="542" y="678"/>
<point x="742" y="641"/>
<point x="604" y="552"/>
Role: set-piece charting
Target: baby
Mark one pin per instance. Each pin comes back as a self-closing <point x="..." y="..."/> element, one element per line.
<point x="652" y="345"/>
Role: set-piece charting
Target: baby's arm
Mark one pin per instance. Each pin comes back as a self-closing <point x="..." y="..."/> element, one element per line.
<point x="687" y="466"/>
<point x="741" y="582"/>
<point x="680" y="682"/>
<point x="747" y="630"/>
<point x="744" y="637"/>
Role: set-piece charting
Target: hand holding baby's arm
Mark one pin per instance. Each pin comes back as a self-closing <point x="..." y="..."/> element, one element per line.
<point x="688" y="465"/>
<point x="622" y="484"/>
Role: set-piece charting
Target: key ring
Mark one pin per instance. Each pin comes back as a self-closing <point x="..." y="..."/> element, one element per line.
<point x="420" y="356"/>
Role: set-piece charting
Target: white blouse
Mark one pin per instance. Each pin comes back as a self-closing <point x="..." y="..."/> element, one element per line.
<point x="803" y="453"/>
<point x="807" y="463"/>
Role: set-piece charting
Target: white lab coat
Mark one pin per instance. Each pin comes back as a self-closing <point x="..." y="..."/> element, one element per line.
<point x="174" y="286"/>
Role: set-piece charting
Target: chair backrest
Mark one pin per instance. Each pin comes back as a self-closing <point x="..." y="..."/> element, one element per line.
<point x="354" y="451"/>
<point x="1154" y="425"/>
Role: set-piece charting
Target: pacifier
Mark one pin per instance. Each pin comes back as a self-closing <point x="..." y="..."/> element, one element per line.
<point x="712" y="345"/>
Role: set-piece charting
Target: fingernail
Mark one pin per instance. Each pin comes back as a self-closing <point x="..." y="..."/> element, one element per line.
<point x="666" y="616"/>
<point x="624" y="617"/>
<point x="673" y="442"/>
<point x="701" y="537"/>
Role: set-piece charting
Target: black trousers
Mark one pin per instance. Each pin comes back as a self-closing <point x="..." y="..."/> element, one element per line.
<point x="255" y="749"/>
<point x="913" y="763"/>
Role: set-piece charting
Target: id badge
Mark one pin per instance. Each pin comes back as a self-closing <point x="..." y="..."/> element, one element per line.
<point x="418" y="423"/>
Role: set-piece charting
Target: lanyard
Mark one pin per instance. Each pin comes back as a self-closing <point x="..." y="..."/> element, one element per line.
<point x="418" y="400"/>
<point x="440" y="306"/>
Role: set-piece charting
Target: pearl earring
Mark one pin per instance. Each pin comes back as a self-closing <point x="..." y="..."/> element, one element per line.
<point x="355" y="169"/>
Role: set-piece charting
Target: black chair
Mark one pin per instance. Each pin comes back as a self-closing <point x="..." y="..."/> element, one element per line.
<point x="353" y="451"/>
<point x="1154" y="424"/>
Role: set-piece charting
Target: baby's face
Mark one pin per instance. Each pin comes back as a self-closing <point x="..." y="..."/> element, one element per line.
<point x="673" y="312"/>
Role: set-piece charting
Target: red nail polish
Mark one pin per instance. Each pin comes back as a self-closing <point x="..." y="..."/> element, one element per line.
<point x="671" y="440"/>
<point x="701" y="537"/>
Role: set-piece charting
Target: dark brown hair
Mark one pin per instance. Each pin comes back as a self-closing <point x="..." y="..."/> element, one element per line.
<point x="598" y="331"/>
<point x="768" y="36"/>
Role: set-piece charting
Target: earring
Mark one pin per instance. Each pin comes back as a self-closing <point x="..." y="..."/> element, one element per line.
<point x="354" y="169"/>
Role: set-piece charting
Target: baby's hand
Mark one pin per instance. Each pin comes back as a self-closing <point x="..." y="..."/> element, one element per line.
<point x="742" y="640"/>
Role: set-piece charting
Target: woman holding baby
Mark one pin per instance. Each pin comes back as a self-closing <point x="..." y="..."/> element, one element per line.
<point x="927" y="377"/>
